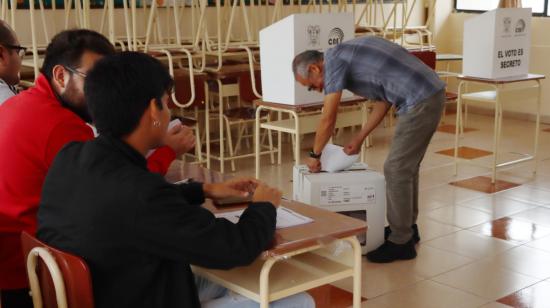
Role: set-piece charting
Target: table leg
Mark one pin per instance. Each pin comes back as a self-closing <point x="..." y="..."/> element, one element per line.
<point x="264" y="282"/>
<point x="457" y="124"/>
<point x="207" y="123"/>
<point x="297" y="141"/>
<point x="279" y="140"/>
<point x="220" y="111"/>
<point x="257" y="140"/>
<point x="496" y="135"/>
<point x="537" y="127"/>
<point x="356" y="270"/>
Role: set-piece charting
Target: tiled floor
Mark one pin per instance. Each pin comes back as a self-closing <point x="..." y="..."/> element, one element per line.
<point x="478" y="249"/>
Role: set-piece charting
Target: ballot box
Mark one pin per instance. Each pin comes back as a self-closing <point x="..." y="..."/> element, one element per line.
<point x="497" y="44"/>
<point x="357" y="192"/>
<point x="283" y="40"/>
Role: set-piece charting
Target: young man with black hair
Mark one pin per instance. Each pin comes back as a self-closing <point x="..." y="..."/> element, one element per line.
<point x="11" y="54"/>
<point x="34" y="126"/>
<point x="137" y="232"/>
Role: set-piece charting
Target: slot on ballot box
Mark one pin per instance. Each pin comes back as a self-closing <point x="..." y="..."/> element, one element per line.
<point x="357" y="192"/>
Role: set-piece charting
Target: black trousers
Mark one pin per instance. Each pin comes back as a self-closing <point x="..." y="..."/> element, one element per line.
<point x="19" y="298"/>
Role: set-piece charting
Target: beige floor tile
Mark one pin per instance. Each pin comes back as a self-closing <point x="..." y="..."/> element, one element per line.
<point x="512" y="229"/>
<point x="471" y="244"/>
<point x="430" y="229"/>
<point x="379" y="279"/>
<point x="450" y="195"/>
<point x="430" y="294"/>
<point x="497" y="206"/>
<point x="535" y="296"/>
<point x="539" y="215"/>
<point x="459" y="216"/>
<point x="541" y="244"/>
<point x="431" y="261"/>
<point x="529" y="194"/>
<point x="525" y="260"/>
<point x="486" y="280"/>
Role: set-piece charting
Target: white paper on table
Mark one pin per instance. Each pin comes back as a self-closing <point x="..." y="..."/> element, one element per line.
<point x="285" y="217"/>
<point x="334" y="159"/>
<point x="170" y="125"/>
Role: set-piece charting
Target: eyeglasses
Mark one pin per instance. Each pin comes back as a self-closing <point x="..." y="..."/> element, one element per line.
<point x="21" y="51"/>
<point x="75" y="71"/>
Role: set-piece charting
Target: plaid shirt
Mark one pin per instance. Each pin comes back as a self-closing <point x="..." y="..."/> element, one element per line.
<point x="378" y="69"/>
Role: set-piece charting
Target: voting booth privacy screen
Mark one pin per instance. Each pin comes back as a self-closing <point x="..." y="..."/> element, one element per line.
<point x="357" y="192"/>
<point x="497" y="44"/>
<point x="281" y="41"/>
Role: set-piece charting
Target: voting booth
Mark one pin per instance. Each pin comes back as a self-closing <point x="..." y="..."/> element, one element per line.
<point x="497" y="44"/>
<point x="356" y="192"/>
<point x="283" y="40"/>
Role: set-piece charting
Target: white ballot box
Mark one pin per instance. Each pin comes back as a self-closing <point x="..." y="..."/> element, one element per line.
<point x="497" y="44"/>
<point x="283" y="40"/>
<point x="357" y="192"/>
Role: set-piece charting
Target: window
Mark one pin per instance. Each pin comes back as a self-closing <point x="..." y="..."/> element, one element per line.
<point x="538" y="6"/>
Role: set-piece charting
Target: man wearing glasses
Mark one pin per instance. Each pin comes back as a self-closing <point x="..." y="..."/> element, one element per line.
<point x="387" y="73"/>
<point x="34" y="126"/>
<point x="11" y="54"/>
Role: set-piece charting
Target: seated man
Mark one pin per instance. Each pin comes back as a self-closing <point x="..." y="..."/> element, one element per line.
<point x="138" y="233"/>
<point x="11" y="54"/>
<point x="34" y="126"/>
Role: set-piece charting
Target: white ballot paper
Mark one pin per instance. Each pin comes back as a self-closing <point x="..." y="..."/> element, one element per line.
<point x="334" y="159"/>
<point x="285" y="217"/>
<point x="170" y="125"/>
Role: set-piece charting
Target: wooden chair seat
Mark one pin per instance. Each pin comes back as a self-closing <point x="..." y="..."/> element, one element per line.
<point x="244" y="113"/>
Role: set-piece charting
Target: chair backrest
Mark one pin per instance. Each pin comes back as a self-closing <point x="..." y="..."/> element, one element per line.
<point x="245" y="86"/>
<point x="428" y="57"/>
<point x="182" y="87"/>
<point x="56" y="276"/>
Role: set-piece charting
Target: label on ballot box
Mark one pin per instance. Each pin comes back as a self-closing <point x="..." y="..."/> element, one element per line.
<point x="356" y="192"/>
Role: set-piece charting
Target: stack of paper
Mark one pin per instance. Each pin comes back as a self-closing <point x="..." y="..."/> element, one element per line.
<point x="285" y="217"/>
<point x="334" y="159"/>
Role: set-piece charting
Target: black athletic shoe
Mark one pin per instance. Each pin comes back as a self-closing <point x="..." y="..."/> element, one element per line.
<point x="416" y="235"/>
<point x="390" y="252"/>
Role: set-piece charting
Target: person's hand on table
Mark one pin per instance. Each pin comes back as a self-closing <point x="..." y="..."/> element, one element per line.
<point x="234" y="188"/>
<point x="265" y="193"/>
<point x="180" y="138"/>
<point x="314" y="165"/>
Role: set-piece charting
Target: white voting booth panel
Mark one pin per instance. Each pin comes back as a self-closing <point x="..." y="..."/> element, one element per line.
<point x="497" y="44"/>
<point x="281" y="41"/>
<point x="358" y="193"/>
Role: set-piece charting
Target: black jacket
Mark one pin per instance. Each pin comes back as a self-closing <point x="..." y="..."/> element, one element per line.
<point x="137" y="232"/>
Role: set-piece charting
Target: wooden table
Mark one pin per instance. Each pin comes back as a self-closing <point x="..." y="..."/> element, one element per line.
<point x="494" y="97"/>
<point x="300" y="258"/>
<point x="302" y="121"/>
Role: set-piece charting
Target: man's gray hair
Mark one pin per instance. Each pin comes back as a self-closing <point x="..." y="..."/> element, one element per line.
<point x="303" y="60"/>
<point x="7" y="36"/>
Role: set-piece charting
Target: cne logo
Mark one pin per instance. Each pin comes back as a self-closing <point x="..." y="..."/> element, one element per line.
<point x="520" y="26"/>
<point x="335" y="36"/>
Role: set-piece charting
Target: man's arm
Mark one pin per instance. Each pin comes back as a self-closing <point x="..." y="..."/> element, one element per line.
<point x="328" y="120"/>
<point x="378" y="113"/>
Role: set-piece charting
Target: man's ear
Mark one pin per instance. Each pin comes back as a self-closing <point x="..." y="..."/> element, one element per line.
<point x="59" y="76"/>
<point x="154" y="110"/>
<point x="314" y="68"/>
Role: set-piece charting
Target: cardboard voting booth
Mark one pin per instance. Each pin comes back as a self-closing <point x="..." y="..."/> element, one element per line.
<point x="357" y="192"/>
<point x="497" y="44"/>
<point x="283" y="40"/>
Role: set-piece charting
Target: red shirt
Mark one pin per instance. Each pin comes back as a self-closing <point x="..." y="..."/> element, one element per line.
<point x="33" y="128"/>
